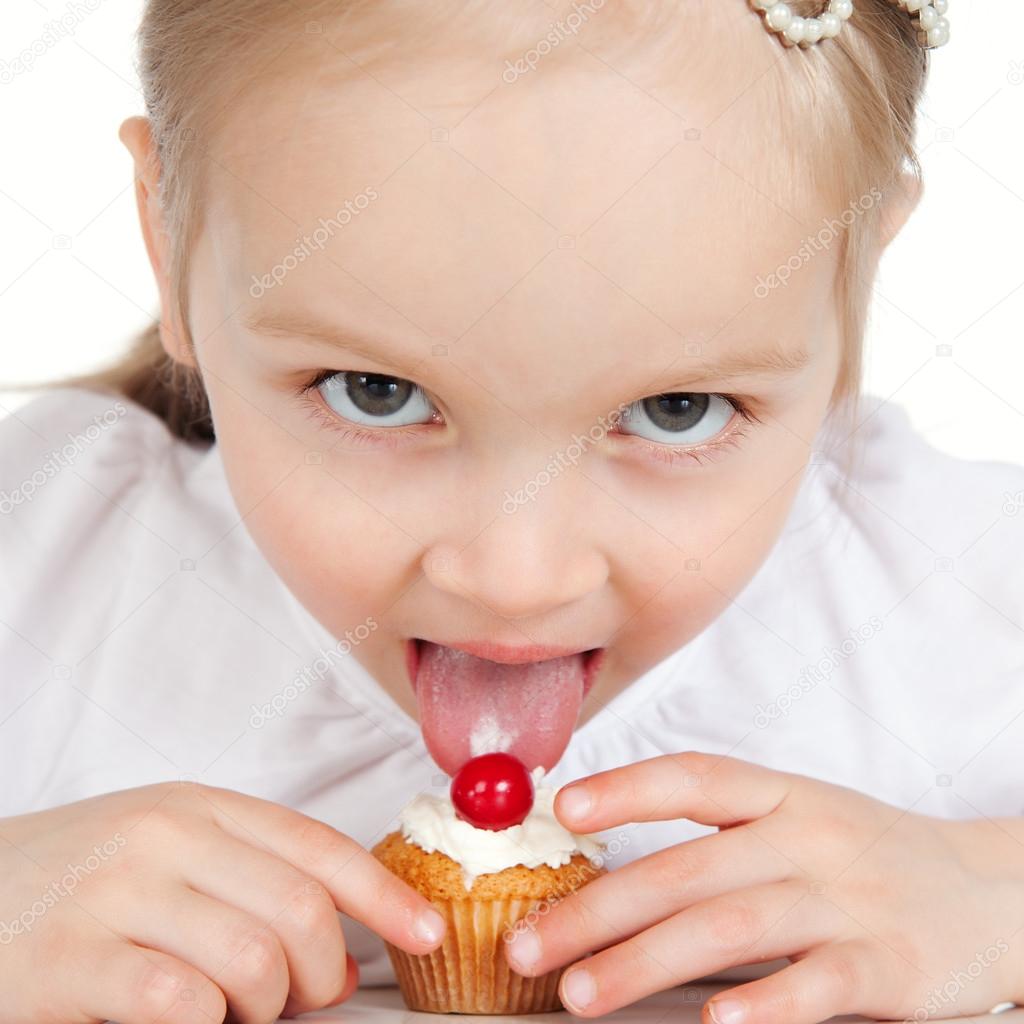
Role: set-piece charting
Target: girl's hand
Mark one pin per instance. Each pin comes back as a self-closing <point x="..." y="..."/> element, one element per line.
<point x="883" y="912"/>
<point x="180" y="903"/>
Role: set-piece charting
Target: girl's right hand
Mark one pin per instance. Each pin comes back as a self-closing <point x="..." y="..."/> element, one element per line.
<point x="181" y="903"/>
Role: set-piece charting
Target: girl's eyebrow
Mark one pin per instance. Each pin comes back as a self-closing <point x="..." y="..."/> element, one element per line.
<point x="370" y="345"/>
<point x="774" y="360"/>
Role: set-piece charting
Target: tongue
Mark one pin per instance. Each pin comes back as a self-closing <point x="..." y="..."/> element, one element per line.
<point x="469" y="706"/>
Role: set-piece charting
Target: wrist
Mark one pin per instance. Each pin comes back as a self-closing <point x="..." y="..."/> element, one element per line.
<point x="991" y="853"/>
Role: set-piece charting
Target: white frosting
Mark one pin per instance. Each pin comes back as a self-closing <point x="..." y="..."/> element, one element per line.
<point x="430" y="823"/>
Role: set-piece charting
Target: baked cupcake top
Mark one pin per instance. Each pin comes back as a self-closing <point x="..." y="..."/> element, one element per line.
<point x="430" y="823"/>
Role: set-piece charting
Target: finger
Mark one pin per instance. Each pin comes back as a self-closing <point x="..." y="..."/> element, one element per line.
<point x="118" y="981"/>
<point x="745" y="927"/>
<point x="237" y="952"/>
<point x="357" y="882"/>
<point x="642" y="893"/>
<point x="351" y="983"/>
<point x="297" y="908"/>
<point x="826" y="983"/>
<point x="706" y="788"/>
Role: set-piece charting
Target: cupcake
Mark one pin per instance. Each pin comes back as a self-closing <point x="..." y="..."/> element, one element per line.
<point x="486" y="882"/>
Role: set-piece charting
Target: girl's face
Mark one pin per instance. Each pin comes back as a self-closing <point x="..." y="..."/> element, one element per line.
<point x="491" y="355"/>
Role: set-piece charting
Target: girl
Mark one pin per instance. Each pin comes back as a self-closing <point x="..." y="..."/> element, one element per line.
<point x="504" y="396"/>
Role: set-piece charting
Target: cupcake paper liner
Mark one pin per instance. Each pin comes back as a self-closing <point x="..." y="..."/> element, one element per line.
<point x="468" y="972"/>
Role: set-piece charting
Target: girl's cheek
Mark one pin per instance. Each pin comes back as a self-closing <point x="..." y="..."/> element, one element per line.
<point x="324" y="528"/>
<point x="338" y="554"/>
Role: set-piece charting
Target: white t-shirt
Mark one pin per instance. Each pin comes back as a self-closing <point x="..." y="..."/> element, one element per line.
<point x="143" y="637"/>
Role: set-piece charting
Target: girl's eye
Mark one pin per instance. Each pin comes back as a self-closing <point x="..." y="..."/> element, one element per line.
<point x="376" y="399"/>
<point x="679" y="417"/>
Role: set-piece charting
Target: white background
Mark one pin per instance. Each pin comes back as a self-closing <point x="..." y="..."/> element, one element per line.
<point x="75" y="284"/>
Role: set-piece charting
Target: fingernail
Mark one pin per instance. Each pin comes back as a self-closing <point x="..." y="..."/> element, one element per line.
<point x="727" y="1011"/>
<point x="429" y="927"/>
<point x="579" y="989"/>
<point x="575" y="802"/>
<point x="525" y="950"/>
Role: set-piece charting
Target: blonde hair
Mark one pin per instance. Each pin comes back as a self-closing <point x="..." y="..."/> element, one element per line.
<point x="858" y="95"/>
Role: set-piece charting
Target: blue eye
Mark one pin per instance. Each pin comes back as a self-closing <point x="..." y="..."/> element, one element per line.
<point x="678" y="417"/>
<point x="376" y="399"/>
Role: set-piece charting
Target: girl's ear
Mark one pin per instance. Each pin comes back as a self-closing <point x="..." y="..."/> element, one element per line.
<point x="136" y="135"/>
<point x="900" y="201"/>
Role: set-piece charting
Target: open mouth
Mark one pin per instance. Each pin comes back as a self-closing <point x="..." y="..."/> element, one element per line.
<point x="506" y="655"/>
<point x="475" y="698"/>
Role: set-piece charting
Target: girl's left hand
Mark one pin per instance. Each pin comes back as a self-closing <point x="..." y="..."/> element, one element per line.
<point x="882" y="912"/>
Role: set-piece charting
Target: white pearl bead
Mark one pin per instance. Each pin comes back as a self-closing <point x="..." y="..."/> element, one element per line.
<point x="938" y="36"/>
<point x="813" y="30"/>
<point x="779" y="16"/>
<point x="842" y="8"/>
<point x="794" y="31"/>
<point x="831" y="25"/>
<point x="928" y="17"/>
<point x="941" y="6"/>
<point x="914" y="5"/>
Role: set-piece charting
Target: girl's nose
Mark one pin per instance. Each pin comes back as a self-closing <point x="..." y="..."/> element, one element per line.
<point x="520" y="566"/>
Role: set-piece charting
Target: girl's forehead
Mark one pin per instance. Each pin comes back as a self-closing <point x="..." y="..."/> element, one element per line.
<point x="606" y="100"/>
<point x="441" y="190"/>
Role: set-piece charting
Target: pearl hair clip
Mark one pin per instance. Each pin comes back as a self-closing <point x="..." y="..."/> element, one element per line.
<point x="931" y="21"/>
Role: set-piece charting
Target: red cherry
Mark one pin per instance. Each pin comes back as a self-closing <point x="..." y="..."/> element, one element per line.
<point x="492" y="791"/>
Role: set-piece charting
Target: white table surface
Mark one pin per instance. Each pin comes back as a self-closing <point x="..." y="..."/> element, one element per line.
<point x="676" y="1006"/>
